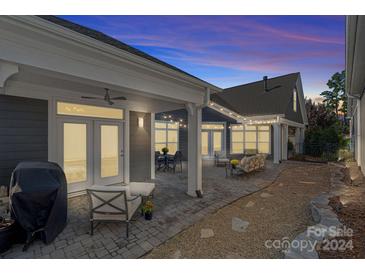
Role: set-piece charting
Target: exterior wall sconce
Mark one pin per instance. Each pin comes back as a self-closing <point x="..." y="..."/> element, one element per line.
<point x="140" y="122"/>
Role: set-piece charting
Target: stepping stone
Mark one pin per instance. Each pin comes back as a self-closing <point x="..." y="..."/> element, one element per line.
<point x="239" y="225"/>
<point x="281" y="184"/>
<point x="265" y="195"/>
<point x="177" y="254"/>
<point x="307" y="183"/>
<point x="206" y="233"/>
<point x="250" y="204"/>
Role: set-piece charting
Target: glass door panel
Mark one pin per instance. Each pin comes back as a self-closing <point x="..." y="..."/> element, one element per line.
<point x="75" y="152"/>
<point x="217" y="141"/>
<point x="205" y="143"/>
<point x="108" y="153"/>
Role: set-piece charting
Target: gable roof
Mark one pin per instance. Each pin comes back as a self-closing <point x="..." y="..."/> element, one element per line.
<point x="251" y="99"/>
<point x="97" y="35"/>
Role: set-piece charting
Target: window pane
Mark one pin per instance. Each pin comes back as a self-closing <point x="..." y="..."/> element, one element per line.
<point x="250" y="127"/>
<point x="158" y="147"/>
<point x="172" y="148"/>
<point x="250" y="145"/>
<point x="237" y="147"/>
<point x="109" y="151"/>
<point x="264" y="127"/>
<point x="264" y="136"/>
<point x="205" y="143"/>
<point x="217" y="141"/>
<point x="237" y="136"/>
<point x="74" y="152"/>
<point x="172" y="136"/>
<point x="88" y="111"/>
<point x="160" y="136"/>
<point x="173" y="125"/>
<point x="237" y="127"/>
<point x="160" y="125"/>
<point x="250" y="136"/>
<point x="264" y="148"/>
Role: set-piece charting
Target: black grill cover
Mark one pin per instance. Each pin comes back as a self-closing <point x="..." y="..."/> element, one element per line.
<point x="38" y="198"/>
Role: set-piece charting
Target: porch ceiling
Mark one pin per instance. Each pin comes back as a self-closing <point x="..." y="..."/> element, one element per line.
<point x="53" y="84"/>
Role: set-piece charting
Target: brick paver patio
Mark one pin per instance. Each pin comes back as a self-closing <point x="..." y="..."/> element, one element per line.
<point x="174" y="211"/>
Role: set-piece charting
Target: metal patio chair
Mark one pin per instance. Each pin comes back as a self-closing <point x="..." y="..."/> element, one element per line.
<point x="112" y="204"/>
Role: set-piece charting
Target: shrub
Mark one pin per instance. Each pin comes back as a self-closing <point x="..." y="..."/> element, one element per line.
<point x="324" y="142"/>
<point x="290" y="146"/>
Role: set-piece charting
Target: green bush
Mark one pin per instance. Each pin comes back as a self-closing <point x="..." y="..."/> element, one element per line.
<point x="324" y="142"/>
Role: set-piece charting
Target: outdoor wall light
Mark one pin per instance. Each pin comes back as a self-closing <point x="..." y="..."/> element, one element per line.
<point x="140" y="122"/>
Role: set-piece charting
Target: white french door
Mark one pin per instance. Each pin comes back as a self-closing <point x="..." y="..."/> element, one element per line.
<point x="90" y="151"/>
<point x="212" y="142"/>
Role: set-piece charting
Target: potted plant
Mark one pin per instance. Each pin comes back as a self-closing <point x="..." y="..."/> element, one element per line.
<point x="147" y="210"/>
<point x="165" y="150"/>
<point x="234" y="163"/>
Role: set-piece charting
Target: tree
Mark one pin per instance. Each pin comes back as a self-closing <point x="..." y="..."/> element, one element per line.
<point x="318" y="115"/>
<point x="335" y="98"/>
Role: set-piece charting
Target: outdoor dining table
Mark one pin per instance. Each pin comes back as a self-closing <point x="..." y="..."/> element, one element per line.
<point x="165" y="159"/>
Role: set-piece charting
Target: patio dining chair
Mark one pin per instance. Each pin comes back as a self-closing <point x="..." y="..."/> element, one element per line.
<point x="112" y="204"/>
<point x="175" y="160"/>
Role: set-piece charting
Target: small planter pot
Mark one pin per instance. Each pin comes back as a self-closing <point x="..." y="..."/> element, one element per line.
<point x="10" y="234"/>
<point x="148" y="216"/>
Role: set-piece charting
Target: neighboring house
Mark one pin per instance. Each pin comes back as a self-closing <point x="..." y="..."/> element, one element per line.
<point x="355" y="84"/>
<point x="258" y="117"/>
<point x="48" y="69"/>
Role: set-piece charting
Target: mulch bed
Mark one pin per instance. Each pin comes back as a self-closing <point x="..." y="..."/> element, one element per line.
<point x="351" y="215"/>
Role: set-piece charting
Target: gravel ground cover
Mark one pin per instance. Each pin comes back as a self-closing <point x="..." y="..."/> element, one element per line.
<point x="241" y="229"/>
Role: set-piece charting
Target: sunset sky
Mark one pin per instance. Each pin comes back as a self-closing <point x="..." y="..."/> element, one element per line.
<point x="233" y="50"/>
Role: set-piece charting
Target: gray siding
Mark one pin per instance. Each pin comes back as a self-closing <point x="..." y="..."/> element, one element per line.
<point x="290" y="114"/>
<point x="140" y="147"/>
<point x="23" y="133"/>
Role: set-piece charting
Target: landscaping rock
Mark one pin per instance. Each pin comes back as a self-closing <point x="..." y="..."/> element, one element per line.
<point x="239" y="225"/>
<point x="265" y="195"/>
<point x="206" y="233"/>
<point x="250" y="204"/>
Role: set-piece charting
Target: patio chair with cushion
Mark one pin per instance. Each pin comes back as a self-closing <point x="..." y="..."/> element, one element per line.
<point x="112" y="204"/>
<point x="220" y="159"/>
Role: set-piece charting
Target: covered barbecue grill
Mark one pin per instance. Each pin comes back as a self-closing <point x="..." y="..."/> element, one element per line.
<point x="38" y="199"/>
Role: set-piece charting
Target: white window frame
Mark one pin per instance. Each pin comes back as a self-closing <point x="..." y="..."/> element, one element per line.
<point x="295" y="100"/>
<point x="243" y="130"/>
<point x="166" y="129"/>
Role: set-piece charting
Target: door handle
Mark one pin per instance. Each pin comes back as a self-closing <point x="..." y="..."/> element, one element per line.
<point x="121" y="153"/>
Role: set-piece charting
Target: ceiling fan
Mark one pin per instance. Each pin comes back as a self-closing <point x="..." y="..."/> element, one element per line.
<point x="106" y="97"/>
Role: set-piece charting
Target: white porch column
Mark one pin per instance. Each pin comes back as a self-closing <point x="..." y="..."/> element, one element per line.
<point x="284" y="142"/>
<point x="153" y="175"/>
<point x="194" y="151"/>
<point x="277" y="143"/>
<point x="301" y="140"/>
<point x="126" y="147"/>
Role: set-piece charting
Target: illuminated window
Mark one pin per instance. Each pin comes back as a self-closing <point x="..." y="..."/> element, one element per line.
<point x="167" y="135"/>
<point x="295" y="100"/>
<point x="249" y="138"/>
<point x="89" y="111"/>
<point x="237" y="144"/>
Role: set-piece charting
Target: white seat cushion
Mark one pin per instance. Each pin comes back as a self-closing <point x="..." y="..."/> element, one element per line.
<point x="132" y="207"/>
<point x="143" y="189"/>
